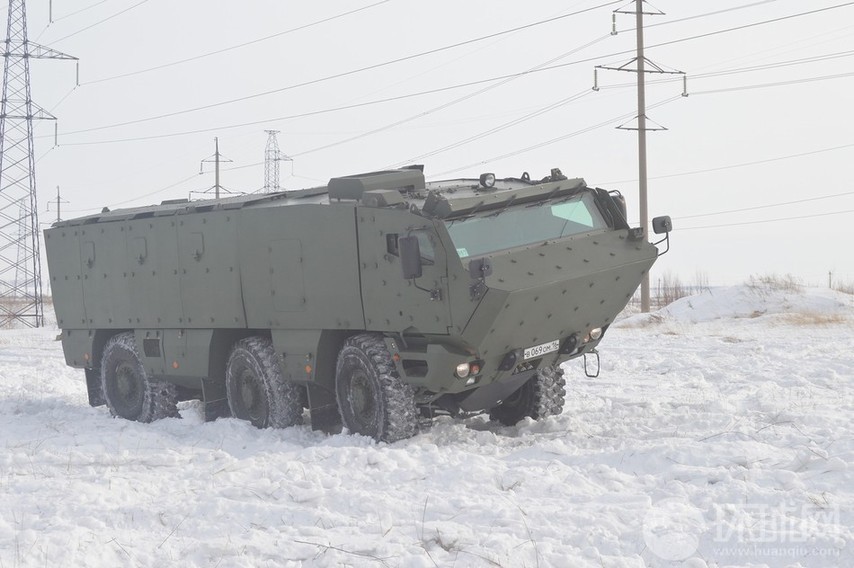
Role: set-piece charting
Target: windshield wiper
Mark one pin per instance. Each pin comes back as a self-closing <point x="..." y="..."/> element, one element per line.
<point x="505" y="208"/>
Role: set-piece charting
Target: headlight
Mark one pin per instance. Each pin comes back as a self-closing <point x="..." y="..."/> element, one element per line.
<point x="595" y="333"/>
<point x="462" y="370"/>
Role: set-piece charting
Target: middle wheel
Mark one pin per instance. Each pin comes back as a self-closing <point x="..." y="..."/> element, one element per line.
<point x="256" y="389"/>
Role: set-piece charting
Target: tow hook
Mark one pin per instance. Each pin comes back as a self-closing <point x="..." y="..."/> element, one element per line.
<point x="588" y="365"/>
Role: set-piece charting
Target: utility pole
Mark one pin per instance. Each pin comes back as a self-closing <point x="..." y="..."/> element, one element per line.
<point x="641" y="70"/>
<point x="272" y="157"/>
<point x="59" y="201"/>
<point x="642" y="185"/>
<point x="216" y="159"/>
<point x="21" y="298"/>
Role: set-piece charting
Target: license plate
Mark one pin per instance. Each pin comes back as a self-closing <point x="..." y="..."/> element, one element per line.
<point x="540" y="350"/>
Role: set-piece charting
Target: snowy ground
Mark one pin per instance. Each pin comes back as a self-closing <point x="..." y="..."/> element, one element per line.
<point x="719" y="433"/>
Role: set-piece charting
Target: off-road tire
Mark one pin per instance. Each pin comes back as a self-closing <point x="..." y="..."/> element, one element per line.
<point x="256" y="389"/>
<point x="543" y="395"/>
<point x="372" y="399"/>
<point x="128" y="390"/>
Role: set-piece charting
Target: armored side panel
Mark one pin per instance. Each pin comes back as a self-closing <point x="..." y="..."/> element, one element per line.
<point x="152" y="270"/>
<point x="299" y="267"/>
<point x="209" y="272"/>
<point x="103" y="251"/>
<point x="66" y="278"/>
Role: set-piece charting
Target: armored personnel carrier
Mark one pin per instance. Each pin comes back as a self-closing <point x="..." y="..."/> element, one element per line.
<point x="376" y="302"/>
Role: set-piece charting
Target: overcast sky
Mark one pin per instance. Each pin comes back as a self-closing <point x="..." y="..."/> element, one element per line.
<point x="768" y="120"/>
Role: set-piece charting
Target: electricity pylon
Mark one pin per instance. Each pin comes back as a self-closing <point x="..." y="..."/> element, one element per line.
<point x="272" y="157"/>
<point x="21" y="297"/>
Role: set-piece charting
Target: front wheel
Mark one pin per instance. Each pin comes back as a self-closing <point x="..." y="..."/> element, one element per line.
<point x="543" y="395"/>
<point x="256" y="389"/>
<point x="372" y="399"/>
<point x="128" y="391"/>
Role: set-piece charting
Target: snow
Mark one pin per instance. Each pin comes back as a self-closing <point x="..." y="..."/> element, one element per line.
<point x="719" y="433"/>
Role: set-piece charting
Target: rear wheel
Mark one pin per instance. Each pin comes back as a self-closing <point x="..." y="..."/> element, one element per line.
<point x="372" y="399"/>
<point x="256" y="389"/>
<point x="128" y="391"/>
<point x="543" y="395"/>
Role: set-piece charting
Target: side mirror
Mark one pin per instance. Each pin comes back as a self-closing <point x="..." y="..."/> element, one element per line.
<point x="410" y="257"/>
<point x="662" y="225"/>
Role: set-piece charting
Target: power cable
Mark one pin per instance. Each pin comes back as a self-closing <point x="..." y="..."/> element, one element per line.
<point x="559" y="104"/>
<point x="80" y="11"/>
<point x="99" y="22"/>
<point x="422" y="54"/>
<point x="731" y="166"/>
<point x="725" y="72"/>
<point x="238" y="46"/>
<point x="444" y="105"/>
<point x="343" y="74"/>
<point x="775" y="84"/>
<point x="759" y="222"/>
<point x="155" y="192"/>
<point x="767" y="206"/>
<point x="554" y="140"/>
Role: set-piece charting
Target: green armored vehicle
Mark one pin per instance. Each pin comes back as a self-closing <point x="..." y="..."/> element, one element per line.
<point x="376" y="302"/>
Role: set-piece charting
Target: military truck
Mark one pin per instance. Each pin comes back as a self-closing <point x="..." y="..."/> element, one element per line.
<point x="376" y="302"/>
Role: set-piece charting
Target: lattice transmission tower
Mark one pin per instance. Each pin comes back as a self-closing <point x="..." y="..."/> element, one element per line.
<point x="20" y="263"/>
<point x="272" y="157"/>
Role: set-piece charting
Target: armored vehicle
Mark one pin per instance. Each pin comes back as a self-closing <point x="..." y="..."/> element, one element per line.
<point x="376" y="302"/>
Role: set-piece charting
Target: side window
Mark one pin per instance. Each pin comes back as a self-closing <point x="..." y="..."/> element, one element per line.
<point x="573" y="211"/>
<point x="582" y="212"/>
<point x="425" y="243"/>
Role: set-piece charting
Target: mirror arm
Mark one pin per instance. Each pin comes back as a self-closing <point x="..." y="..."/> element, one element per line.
<point x="666" y="238"/>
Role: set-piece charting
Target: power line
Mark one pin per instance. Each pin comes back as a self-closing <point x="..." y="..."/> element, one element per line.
<point x="559" y="104"/>
<point x="724" y="72"/>
<point x="697" y="16"/>
<point x="775" y="84"/>
<point x="338" y="75"/>
<point x="732" y="166"/>
<point x="754" y="24"/>
<point x="138" y="197"/>
<point x="768" y="206"/>
<point x="233" y="47"/>
<point x="554" y="140"/>
<point x="99" y="22"/>
<point x="799" y="217"/>
<point x="444" y="105"/>
<point x="337" y="16"/>
<point x="452" y="46"/>
<point x="80" y="11"/>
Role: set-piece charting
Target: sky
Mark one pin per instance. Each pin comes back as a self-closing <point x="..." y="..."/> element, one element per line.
<point x="754" y="167"/>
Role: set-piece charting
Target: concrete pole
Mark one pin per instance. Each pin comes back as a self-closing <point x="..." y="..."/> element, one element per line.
<point x="644" y="210"/>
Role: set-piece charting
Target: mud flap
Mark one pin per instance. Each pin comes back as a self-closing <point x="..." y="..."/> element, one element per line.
<point x="324" y="409"/>
<point x="94" y="388"/>
<point x="215" y="400"/>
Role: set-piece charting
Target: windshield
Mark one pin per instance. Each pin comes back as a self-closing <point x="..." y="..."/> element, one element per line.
<point x="520" y="226"/>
